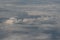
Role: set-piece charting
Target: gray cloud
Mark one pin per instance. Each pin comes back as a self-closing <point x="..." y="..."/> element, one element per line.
<point x="38" y="30"/>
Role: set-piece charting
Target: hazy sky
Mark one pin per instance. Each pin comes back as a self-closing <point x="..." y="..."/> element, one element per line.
<point x="13" y="7"/>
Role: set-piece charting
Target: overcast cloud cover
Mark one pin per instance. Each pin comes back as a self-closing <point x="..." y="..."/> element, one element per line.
<point x="31" y="30"/>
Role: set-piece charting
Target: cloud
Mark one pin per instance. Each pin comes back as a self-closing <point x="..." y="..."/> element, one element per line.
<point x="46" y="31"/>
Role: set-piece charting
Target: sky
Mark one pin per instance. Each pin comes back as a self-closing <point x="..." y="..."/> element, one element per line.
<point x="14" y="7"/>
<point x="43" y="31"/>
